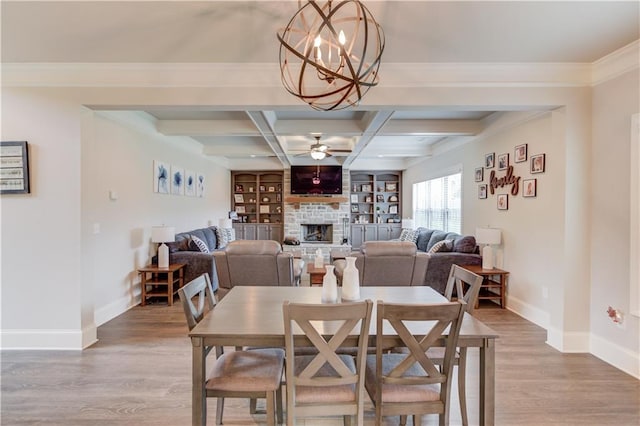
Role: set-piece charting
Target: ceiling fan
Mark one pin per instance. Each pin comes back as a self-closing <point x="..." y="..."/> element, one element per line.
<point x="319" y="151"/>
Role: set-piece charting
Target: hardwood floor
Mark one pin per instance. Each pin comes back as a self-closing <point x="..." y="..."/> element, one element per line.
<point x="140" y="370"/>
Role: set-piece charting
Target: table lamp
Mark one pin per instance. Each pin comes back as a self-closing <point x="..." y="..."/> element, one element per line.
<point x="163" y="234"/>
<point x="487" y="236"/>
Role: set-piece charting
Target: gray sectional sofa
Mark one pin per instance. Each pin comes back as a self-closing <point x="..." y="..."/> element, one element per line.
<point x="464" y="251"/>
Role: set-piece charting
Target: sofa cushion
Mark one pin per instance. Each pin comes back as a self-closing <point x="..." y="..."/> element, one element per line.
<point x="424" y="235"/>
<point x="408" y="235"/>
<point x="436" y="236"/>
<point x="465" y="244"/>
<point x="442" y="246"/>
<point x="197" y="243"/>
<point x="225" y="236"/>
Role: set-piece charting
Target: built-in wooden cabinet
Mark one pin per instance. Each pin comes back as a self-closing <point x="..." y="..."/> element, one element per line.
<point x="258" y="202"/>
<point x="375" y="204"/>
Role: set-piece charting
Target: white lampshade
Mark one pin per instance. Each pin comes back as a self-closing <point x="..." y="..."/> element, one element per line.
<point x="488" y="236"/>
<point x="225" y="223"/>
<point x="163" y="234"/>
<point x="407" y="223"/>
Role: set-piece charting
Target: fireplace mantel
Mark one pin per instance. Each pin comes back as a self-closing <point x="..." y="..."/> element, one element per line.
<point x="332" y="201"/>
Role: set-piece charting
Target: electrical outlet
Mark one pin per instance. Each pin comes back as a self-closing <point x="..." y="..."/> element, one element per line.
<point x="545" y="292"/>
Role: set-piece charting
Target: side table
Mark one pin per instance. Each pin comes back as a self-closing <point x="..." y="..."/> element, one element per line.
<point x="163" y="282"/>
<point x="492" y="280"/>
<point x="315" y="274"/>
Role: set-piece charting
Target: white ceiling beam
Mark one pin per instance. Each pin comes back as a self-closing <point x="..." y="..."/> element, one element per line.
<point x="432" y="127"/>
<point x="207" y="128"/>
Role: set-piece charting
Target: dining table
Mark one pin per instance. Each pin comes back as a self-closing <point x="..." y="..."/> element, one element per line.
<point x="252" y="316"/>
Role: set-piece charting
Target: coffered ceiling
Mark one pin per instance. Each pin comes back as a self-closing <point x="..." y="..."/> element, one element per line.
<point x="466" y="35"/>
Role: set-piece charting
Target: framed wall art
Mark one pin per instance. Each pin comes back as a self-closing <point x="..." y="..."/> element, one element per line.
<point x="537" y="163"/>
<point x="482" y="191"/>
<point x="529" y="187"/>
<point x="503" y="161"/>
<point x="14" y="168"/>
<point x="503" y="201"/>
<point x="479" y="174"/>
<point x="520" y="153"/>
<point x="490" y="160"/>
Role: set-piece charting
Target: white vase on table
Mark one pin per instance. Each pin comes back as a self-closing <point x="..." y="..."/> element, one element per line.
<point x="329" y="286"/>
<point x="350" y="280"/>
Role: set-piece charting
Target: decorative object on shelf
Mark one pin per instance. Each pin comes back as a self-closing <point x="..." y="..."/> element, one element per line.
<point x="354" y="198"/>
<point x="233" y="215"/>
<point x="520" y="153"/>
<point x="503" y="201"/>
<point x="529" y="187"/>
<point x="503" y="161"/>
<point x="265" y="199"/>
<point x="262" y="188"/>
<point x="366" y="188"/>
<point x="368" y="199"/>
<point x="479" y="174"/>
<point x="240" y="188"/>
<point x="319" y="64"/>
<point x="489" y="160"/>
<point x="14" y="168"/>
<point x="393" y="198"/>
<point x="393" y="209"/>
<point x="329" y="286"/>
<point x="350" y="280"/>
<point x="240" y="209"/>
<point x="272" y="189"/>
<point x="354" y="208"/>
<point x="537" y="163"/>
<point x="264" y="209"/>
<point x="380" y="198"/>
<point x="390" y="186"/>
<point x="238" y="198"/>
<point x="488" y="237"/>
<point x="162" y="235"/>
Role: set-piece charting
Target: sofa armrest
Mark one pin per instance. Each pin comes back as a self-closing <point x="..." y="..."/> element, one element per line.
<point x="222" y="268"/>
<point x="420" y="268"/>
<point x="197" y="263"/>
<point x="440" y="264"/>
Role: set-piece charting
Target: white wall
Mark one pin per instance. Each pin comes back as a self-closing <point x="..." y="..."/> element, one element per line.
<point x="60" y="279"/>
<point x="614" y="102"/>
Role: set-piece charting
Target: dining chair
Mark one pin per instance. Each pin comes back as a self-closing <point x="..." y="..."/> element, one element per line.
<point x="326" y="383"/>
<point x="411" y="383"/>
<point x="239" y="374"/>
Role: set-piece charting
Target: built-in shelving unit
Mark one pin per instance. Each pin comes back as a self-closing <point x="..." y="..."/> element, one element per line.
<point x="258" y="202"/>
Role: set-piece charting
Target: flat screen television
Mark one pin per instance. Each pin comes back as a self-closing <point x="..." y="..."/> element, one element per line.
<point x="305" y="180"/>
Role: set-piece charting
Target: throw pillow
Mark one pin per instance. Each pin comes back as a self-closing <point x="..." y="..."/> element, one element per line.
<point x="408" y="235"/>
<point x="442" y="246"/>
<point x="196" y="242"/>
<point x="225" y="236"/>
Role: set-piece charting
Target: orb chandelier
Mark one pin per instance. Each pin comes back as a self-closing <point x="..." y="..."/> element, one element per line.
<point x="330" y="53"/>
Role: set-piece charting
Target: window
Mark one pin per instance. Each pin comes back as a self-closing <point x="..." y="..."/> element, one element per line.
<point x="437" y="203"/>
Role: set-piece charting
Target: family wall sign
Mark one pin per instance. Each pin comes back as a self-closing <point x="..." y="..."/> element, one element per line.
<point x="506" y="180"/>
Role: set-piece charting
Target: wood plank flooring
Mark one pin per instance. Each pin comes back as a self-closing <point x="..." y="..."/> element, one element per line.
<point x="140" y="370"/>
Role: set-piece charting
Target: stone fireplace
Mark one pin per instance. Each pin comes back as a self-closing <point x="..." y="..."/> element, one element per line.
<point x="316" y="233"/>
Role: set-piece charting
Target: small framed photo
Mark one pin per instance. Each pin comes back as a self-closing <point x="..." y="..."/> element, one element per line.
<point x="239" y="188"/>
<point x="380" y="198"/>
<point x="529" y="187"/>
<point x="238" y="198"/>
<point x="368" y="199"/>
<point x="390" y="187"/>
<point x="354" y="208"/>
<point x="354" y="198"/>
<point x="537" y="163"/>
<point x="490" y="160"/>
<point x="264" y="209"/>
<point x="520" y="153"/>
<point x="393" y="209"/>
<point x="272" y="189"/>
<point x="366" y="188"/>
<point x="262" y="188"/>
<point x="503" y="161"/>
<point x="479" y="174"/>
<point x="503" y="201"/>
<point x="240" y="209"/>
<point x="482" y="191"/>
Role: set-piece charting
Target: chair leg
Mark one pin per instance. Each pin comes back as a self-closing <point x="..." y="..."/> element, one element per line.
<point x="219" y="410"/>
<point x="271" y="412"/>
<point x="462" y="376"/>
<point x="279" y="405"/>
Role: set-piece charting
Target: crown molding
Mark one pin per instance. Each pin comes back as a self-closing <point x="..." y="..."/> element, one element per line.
<point x="616" y="63"/>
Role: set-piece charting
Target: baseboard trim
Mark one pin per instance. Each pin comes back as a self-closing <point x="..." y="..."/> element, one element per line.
<point x="528" y="312"/>
<point x="42" y="339"/>
<point x="619" y="357"/>
<point x="113" y="309"/>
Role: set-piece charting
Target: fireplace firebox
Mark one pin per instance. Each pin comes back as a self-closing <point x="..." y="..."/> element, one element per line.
<point x="317" y="233"/>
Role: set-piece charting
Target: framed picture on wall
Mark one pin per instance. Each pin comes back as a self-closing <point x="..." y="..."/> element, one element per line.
<point x="520" y="153"/>
<point x="14" y="168"/>
<point x="537" y="163"/>
<point x="482" y="191"/>
<point x="503" y="161"/>
<point x="479" y="174"/>
<point x="529" y="187"/>
<point x="503" y="201"/>
<point x="490" y="160"/>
